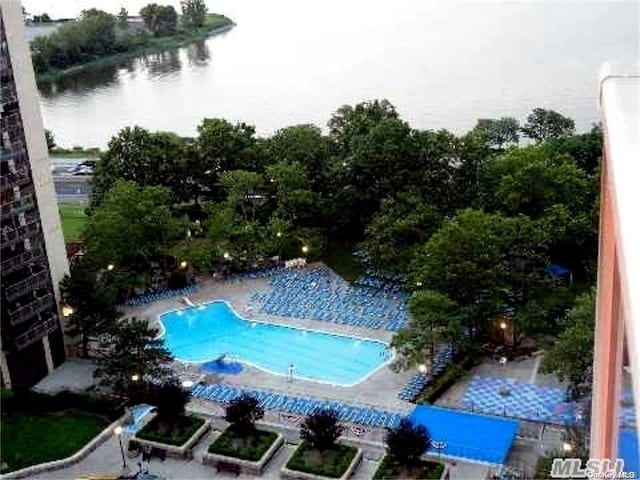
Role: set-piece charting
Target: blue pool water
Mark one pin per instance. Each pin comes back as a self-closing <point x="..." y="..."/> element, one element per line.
<point x="205" y="333"/>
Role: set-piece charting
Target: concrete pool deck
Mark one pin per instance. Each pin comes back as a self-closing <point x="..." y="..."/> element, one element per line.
<point x="379" y="389"/>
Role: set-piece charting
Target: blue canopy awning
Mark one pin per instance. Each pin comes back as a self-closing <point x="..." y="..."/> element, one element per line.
<point x="467" y="436"/>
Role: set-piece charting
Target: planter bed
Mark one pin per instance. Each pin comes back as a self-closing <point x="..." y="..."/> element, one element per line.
<point x="340" y="461"/>
<point x="176" y="442"/>
<point x="388" y="469"/>
<point x="249" y="455"/>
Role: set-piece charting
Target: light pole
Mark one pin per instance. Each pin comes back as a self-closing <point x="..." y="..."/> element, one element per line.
<point x="118" y="433"/>
<point x="503" y="328"/>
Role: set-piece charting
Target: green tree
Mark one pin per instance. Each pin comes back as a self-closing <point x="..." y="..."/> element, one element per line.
<point x="303" y="145"/>
<point x="92" y="300"/>
<point x="170" y="398"/>
<point x="146" y="158"/>
<point x="407" y="442"/>
<point x="123" y="18"/>
<point x="571" y="356"/>
<point x="91" y="36"/>
<point x="321" y="429"/>
<point x="132" y="227"/>
<point x="349" y="122"/>
<point x="435" y="319"/>
<point x="544" y="124"/>
<point x="402" y="224"/>
<point x="532" y="180"/>
<point x="194" y="13"/>
<point x="242" y="413"/>
<point x="223" y="146"/>
<point x="585" y="149"/>
<point x="486" y="263"/>
<point x="295" y="202"/>
<point x="245" y="192"/>
<point x="499" y="132"/>
<point x="160" y="19"/>
<point x="131" y="353"/>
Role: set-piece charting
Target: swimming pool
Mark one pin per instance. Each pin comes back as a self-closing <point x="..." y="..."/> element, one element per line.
<point x="207" y="332"/>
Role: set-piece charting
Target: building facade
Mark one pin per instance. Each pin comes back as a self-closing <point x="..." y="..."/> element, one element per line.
<point x="616" y="369"/>
<point x="32" y="257"/>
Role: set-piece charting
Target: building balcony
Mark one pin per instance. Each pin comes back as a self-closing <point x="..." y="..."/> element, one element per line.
<point x="20" y="178"/>
<point x="19" y="261"/>
<point x="37" y="305"/>
<point x="10" y="235"/>
<point x="33" y="282"/>
<point x="7" y="94"/>
<point x="24" y="204"/>
<point x="48" y="324"/>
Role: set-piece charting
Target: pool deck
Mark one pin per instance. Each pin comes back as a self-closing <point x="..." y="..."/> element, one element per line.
<point x="379" y="389"/>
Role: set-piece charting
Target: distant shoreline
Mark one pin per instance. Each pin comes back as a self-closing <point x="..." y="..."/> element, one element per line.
<point x="158" y="45"/>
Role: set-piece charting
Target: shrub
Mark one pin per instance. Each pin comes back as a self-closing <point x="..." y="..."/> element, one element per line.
<point x="407" y="442"/>
<point x="321" y="429"/>
<point x="332" y="462"/>
<point x="170" y="399"/>
<point x="250" y="448"/>
<point x="242" y="413"/>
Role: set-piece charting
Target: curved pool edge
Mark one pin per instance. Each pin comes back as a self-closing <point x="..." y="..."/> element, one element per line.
<point x="251" y="364"/>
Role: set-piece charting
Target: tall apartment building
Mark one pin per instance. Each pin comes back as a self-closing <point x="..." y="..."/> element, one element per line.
<point x="32" y="256"/>
<point x="616" y="369"/>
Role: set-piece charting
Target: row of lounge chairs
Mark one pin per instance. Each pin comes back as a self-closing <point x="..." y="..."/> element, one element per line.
<point x="414" y="387"/>
<point x="297" y="405"/>
<point x="257" y="273"/>
<point x="160" y="295"/>
<point x="419" y="381"/>
<point x="321" y="295"/>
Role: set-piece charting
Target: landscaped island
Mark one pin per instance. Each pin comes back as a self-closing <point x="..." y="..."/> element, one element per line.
<point x="98" y="38"/>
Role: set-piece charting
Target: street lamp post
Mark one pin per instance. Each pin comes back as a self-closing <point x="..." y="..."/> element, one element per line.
<point x="118" y="432"/>
<point x="503" y="328"/>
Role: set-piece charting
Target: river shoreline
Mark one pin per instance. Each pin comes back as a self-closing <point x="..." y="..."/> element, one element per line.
<point x="167" y="43"/>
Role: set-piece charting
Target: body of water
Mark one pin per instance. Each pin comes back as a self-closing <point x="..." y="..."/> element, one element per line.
<point x="206" y="333"/>
<point x="443" y="64"/>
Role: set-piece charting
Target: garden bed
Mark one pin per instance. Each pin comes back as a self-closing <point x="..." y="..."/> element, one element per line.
<point x="339" y="461"/>
<point x="388" y="469"/>
<point x="250" y="454"/>
<point x="251" y="448"/>
<point x="175" y="439"/>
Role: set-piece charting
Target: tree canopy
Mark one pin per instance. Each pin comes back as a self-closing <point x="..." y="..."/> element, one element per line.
<point x="159" y="19"/>
<point x="132" y="354"/>
<point x="544" y="124"/>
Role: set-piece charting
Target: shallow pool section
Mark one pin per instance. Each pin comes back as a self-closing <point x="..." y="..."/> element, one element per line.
<point x="207" y="332"/>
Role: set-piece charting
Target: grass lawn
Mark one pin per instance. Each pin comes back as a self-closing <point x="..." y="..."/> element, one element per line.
<point x="332" y="462"/>
<point x="388" y="469"/>
<point x="250" y="448"/>
<point x="340" y="259"/>
<point x="73" y="221"/>
<point x="30" y="439"/>
<point x="176" y="433"/>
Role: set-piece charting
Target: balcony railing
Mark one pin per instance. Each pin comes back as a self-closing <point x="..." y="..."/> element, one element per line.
<point x="19" y="177"/>
<point x="19" y="261"/>
<point x="24" y="204"/>
<point x="42" y="329"/>
<point x="30" y="310"/>
<point x="29" y="284"/>
<point x="12" y="235"/>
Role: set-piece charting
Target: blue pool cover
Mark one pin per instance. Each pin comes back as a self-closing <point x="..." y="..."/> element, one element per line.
<point x="629" y="450"/>
<point x="466" y="436"/>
